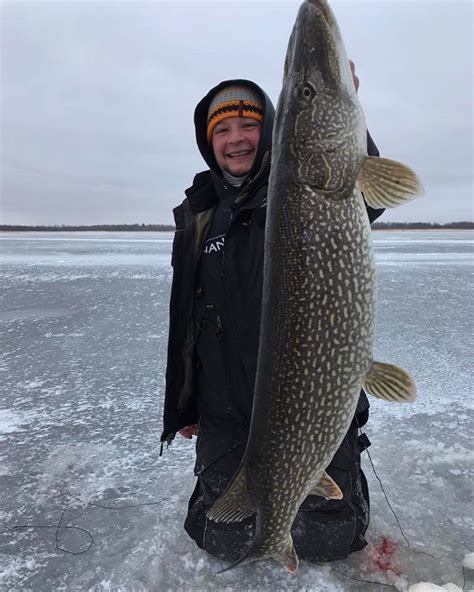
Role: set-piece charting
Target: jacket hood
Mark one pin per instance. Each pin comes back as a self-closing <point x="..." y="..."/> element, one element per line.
<point x="200" y="123"/>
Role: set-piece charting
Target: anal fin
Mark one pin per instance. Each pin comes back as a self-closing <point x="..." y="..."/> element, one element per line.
<point x="389" y="382"/>
<point x="327" y="487"/>
<point x="235" y="504"/>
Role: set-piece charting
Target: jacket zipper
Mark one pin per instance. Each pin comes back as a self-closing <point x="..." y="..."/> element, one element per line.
<point x="232" y="324"/>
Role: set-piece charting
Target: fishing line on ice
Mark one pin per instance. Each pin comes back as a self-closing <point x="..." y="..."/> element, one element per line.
<point x="400" y="526"/>
<point x="386" y="499"/>
<point x="66" y="496"/>
<point x="64" y="493"/>
<point x="346" y="575"/>
<point x="361" y="580"/>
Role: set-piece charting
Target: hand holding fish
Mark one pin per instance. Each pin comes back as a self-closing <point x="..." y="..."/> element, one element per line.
<point x="354" y="75"/>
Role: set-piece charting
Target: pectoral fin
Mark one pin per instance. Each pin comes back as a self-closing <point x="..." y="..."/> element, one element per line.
<point x="390" y="383"/>
<point x="235" y="505"/>
<point x="327" y="487"/>
<point x="387" y="183"/>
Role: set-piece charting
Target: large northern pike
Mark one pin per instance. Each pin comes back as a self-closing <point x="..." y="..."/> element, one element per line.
<point x="318" y="311"/>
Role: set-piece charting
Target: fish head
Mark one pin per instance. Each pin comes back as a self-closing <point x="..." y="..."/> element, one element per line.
<point x="318" y="107"/>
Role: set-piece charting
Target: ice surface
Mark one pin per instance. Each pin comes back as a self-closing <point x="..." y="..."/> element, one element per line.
<point x="84" y="321"/>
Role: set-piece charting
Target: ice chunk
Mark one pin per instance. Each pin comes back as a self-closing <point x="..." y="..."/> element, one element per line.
<point x="429" y="587"/>
<point x="468" y="561"/>
<point x="12" y="421"/>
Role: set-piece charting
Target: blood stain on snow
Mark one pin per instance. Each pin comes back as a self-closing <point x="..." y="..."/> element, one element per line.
<point x="382" y="556"/>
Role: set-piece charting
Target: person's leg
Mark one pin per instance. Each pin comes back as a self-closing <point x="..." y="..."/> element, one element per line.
<point x="327" y="530"/>
<point x="225" y="541"/>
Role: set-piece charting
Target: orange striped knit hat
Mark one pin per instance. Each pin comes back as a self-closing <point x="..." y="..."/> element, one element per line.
<point x="233" y="101"/>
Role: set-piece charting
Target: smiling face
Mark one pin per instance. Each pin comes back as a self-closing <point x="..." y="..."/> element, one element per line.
<point x="235" y="142"/>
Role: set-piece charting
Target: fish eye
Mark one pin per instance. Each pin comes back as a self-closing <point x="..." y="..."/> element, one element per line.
<point x="307" y="92"/>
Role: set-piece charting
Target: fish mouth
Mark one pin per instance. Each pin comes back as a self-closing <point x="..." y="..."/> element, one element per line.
<point x="316" y="48"/>
<point x="324" y="9"/>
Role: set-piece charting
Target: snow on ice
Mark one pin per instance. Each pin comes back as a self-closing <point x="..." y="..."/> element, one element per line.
<point x="84" y="333"/>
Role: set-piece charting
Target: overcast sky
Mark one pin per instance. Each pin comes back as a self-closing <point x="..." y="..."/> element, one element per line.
<point x="97" y="98"/>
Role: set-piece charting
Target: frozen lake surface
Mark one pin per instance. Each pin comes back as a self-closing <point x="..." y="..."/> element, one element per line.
<point x="84" y="321"/>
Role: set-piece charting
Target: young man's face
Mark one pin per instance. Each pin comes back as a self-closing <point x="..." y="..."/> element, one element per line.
<point x="235" y="142"/>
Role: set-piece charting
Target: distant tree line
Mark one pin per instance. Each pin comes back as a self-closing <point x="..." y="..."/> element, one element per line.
<point x="169" y="227"/>
<point x="421" y="225"/>
<point x="109" y="227"/>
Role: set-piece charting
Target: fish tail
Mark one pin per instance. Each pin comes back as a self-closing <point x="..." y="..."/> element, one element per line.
<point x="288" y="557"/>
<point x="247" y="558"/>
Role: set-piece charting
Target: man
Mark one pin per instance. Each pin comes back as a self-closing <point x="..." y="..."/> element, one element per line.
<point x="214" y="331"/>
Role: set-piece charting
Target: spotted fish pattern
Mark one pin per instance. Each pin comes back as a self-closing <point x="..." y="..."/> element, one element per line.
<point x="319" y="290"/>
